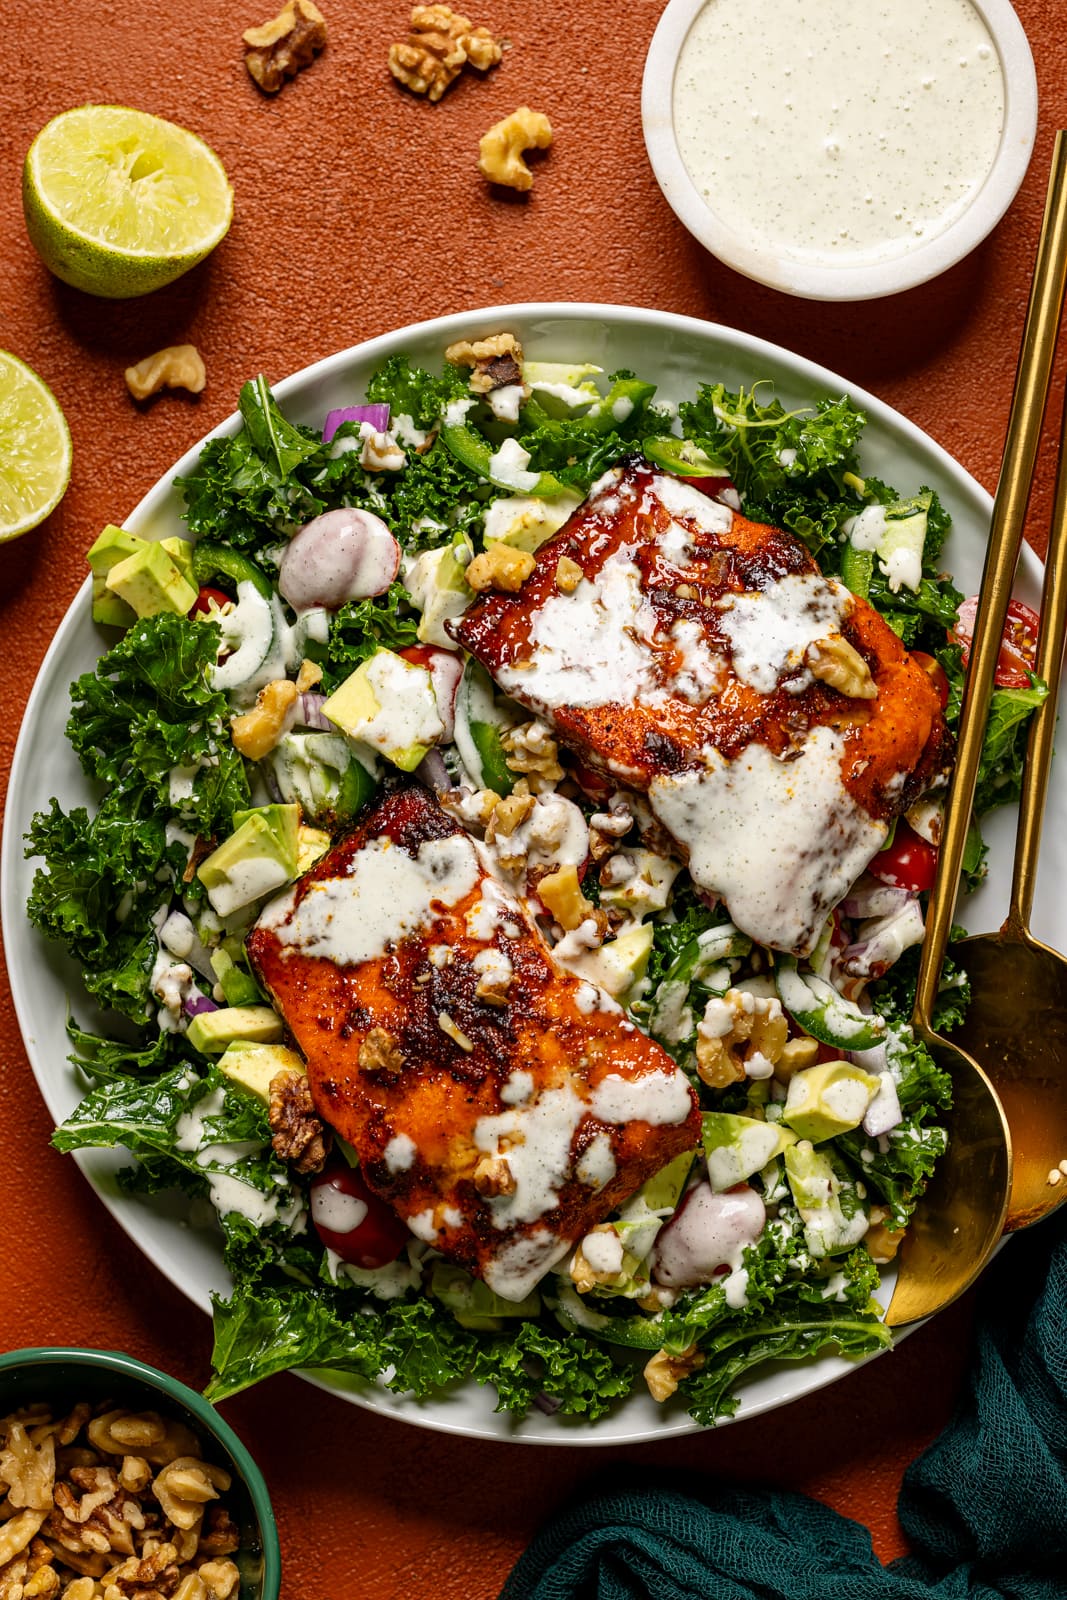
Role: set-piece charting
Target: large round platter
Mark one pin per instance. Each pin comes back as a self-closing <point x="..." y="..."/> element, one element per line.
<point x="676" y="353"/>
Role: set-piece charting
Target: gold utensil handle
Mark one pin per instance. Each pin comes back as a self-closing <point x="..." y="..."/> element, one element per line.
<point x="1002" y="555"/>
<point x="1048" y="664"/>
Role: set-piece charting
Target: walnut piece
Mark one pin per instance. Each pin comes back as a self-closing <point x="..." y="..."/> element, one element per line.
<point x="496" y="361"/>
<point x="741" y="1035"/>
<point x="297" y="1134"/>
<point x="380" y="1052"/>
<point x="440" y="43"/>
<point x="28" y="1470"/>
<point x="561" y="894"/>
<point x="836" y="662"/>
<point x="185" y="1486"/>
<point x="256" y="732"/>
<point x="664" y="1372"/>
<point x="568" y="575"/>
<point x="509" y="813"/>
<point x="493" y="1177"/>
<point x="280" y="48"/>
<point x="500" y="150"/>
<point x="531" y="750"/>
<point x="179" y="366"/>
<point x="500" y="567"/>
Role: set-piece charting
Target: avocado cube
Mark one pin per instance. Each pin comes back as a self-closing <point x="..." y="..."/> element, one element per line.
<point x="114" y="544"/>
<point x="150" y="582"/>
<point x="211" y="1032"/>
<point x="254" y="1065"/>
<point x="109" y="609"/>
<point x="663" y="1190"/>
<point x="181" y="553"/>
<point x="648" y="889"/>
<point x="828" y="1099"/>
<point x="311" y="843"/>
<point x="239" y="988"/>
<point x="737" y="1146"/>
<point x="830" y="1209"/>
<point x="389" y="704"/>
<point x="439" y="589"/>
<point x="620" y="965"/>
<point x="259" y="857"/>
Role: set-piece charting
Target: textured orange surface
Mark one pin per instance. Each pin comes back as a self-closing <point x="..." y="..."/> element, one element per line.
<point x="359" y="209"/>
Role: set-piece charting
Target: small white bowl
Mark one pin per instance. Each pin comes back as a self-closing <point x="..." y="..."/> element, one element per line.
<point x="821" y="278"/>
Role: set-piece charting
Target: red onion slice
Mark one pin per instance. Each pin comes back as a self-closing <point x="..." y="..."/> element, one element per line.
<point x="432" y="771"/>
<point x="377" y="415"/>
<point x="196" y="1003"/>
<point x="310" y="713"/>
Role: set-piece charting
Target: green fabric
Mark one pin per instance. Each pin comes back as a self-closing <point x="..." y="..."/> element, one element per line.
<point x="984" y="1509"/>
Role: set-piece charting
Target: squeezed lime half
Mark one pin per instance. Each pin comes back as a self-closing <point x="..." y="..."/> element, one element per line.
<point x="35" y="449"/>
<point x="118" y="202"/>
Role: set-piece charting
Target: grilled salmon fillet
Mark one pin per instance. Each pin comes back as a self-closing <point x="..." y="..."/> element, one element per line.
<point x="501" y="1105"/>
<point x="775" y="721"/>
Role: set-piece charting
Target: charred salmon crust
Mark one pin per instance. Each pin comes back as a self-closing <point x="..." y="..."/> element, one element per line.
<point x="500" y="1132"/>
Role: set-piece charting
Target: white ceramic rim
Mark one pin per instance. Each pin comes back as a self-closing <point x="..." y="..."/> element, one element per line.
<point x="809" y="280"/>
<point x="193" y="1262"/>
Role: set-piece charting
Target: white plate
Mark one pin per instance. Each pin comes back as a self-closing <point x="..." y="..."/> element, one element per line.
<point x="676" y="353"/>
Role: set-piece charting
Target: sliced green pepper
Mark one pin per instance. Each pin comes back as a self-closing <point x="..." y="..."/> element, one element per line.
<point x="682" y="456"/>
<point x="823" y="1013"/>
<point x="475" y="452"/>
<point x="637" y="1333"/>
<point x="212" y="561"/>
<point x="480" y="722"/>
<point x="856" y="569"/>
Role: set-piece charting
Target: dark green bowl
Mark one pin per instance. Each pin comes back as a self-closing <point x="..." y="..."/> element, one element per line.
<point x="63" y="1377"/>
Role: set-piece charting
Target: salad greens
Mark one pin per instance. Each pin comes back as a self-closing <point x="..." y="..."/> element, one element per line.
<point x="152" y="730"/>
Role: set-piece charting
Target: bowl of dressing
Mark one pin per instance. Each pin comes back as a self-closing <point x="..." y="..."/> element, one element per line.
<point x="844" y="150"/>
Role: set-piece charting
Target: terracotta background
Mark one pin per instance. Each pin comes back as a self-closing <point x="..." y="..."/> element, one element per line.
<point x="359" y="209"/>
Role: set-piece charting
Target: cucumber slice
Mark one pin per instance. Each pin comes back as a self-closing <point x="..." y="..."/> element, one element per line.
<point x="682" y="456"/>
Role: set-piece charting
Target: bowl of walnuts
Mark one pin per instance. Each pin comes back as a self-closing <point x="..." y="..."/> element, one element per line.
<point x="117" y="1480"/>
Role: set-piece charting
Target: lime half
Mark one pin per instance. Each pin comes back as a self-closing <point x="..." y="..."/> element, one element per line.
<point x="35" y="452"/>
<point x="119" y="202"/>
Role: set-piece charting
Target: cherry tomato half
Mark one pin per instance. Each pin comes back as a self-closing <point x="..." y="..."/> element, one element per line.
<point x="908" y="863"/>
<point x="353" y="1221"/>
<point x="207" y="600"/>
<point x="1018" y="646"/>
<point x="935" y="672"/>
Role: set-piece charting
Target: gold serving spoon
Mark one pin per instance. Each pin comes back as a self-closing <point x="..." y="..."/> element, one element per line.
<point x="958" y="1222"/>
<point x="1016" y="1023"/>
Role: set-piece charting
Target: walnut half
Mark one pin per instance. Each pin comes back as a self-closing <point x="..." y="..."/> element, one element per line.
<point x="297" y="1134"/>
<point x="440" y="43"/>
<point x="179" y="366"/>
<point x="280" y="48"/>
<point x="500" y="150"/>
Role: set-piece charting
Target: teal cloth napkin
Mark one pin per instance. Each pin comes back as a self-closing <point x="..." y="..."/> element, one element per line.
<point x="984" y="1509"/>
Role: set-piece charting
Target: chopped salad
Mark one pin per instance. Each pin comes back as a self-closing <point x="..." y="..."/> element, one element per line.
<point x="294" y="660"/>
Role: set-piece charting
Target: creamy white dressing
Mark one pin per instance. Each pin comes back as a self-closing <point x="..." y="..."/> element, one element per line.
<point x="508" y="466"/>
<point x="399" y="1154"/>
<point x="407" y="705"/>
<point x="682" y="500"/>
<point x="602" y="1250"/>
<point x="708" y="1231"/>
<point x="537" y="1137"/>
<point x="780" y="841"/>
<point x="596" y="1166"/>
<point x="847" y="136"/>
<point x="592" y="647"/>
<point x="386" y="896"/>
<point x="770" y="630"/>
<point x="521" y="1264"/>
<point x="703" y="673"/>
<point x="662" y="1099"/>
<point x="336" y="1211"/>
